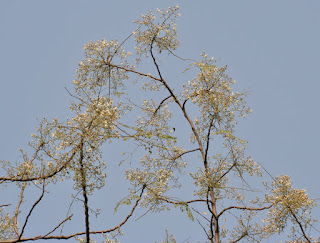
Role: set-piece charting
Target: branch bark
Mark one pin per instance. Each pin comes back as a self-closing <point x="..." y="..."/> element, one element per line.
<point x="65" y="237"/>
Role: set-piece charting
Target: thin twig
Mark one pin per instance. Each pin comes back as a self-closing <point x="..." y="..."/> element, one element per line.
<point x="70" y="207"/>
<point x="200" y="214"/>
<point x="203" y="228"/>
<point x="59" y="225"/>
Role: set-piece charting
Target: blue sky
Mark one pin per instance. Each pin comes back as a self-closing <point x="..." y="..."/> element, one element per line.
<point x="271" y="48"/>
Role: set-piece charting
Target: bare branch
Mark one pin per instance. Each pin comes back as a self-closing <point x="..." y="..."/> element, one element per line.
<point x="186" y="152"/>
<point x="200" y="214"/>
<point x="5" y="205"/>
<point x="64" y="237"/>
<point x="244" y="208"/>
<point x="184" y="104"/>
<point x="178" y="102"/>
<point x="74" y="198"/>
<point x="68" y="218"/>
<point x="161" y="103"/>
<point x="30" y="212"/>
<point x="182" y="202"/>
<point x="225" y="173"/>
<point x="203" y="229"/>
<point x="75" y="96"/>
<point x="132" y="71"/>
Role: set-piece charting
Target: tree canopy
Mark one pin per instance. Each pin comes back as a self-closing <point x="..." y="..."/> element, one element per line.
<point x="179" y="140"/>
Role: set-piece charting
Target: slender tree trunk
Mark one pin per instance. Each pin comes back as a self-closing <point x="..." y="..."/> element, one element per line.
<point x="84" y="193"/>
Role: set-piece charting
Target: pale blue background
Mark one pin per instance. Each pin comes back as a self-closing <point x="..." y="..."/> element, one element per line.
<point x="271" y="47"/>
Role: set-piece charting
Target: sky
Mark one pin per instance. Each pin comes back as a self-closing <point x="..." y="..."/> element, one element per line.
<point x="271" y="48"/>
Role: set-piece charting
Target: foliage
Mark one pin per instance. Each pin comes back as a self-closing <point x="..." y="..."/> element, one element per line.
<point x="106" y="107"/>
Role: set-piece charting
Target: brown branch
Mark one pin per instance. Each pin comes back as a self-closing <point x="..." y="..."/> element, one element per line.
<point x="225" y="173"/>
<point x="212" y="221"/>
<point x="30" y="212"/>
<point x="65" y="237"/>
<point x="200" y="214"/>
<point x="181" y="58"/>
<point x="207" y="201"/>
<point x="184" y="104"/>
<point x="200" y="223"/>
<point x="214" y="217"/>
<point x="73" y="96"/>
<point x="161" y="103"/>
<point x="171" y="94"/>
<point x="186" y="152"/>
<point x="144" y="214"/>
<point x="243" y="208"/>
<point x="208" y="140"/>
<point x="244" y="234"/>
<point x="58" y="225"/>
<point x="38" y="177"/>
<point x="5" y="205"/>
<point x="182" y="202"/>
<point x="177" y="101"/>
<point x="131" y="71"/>
<point x="193" y="128"/>
<point x="300" y="225"/>
<point x="203" y="228"/>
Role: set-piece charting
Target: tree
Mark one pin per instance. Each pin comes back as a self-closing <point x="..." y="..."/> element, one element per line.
<point x="209" y="174"/>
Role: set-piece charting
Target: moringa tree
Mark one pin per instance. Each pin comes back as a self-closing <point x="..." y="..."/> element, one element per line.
<point x="184" y="150"/>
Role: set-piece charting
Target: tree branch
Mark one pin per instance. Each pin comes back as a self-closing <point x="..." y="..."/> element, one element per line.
<point x="5" y="205"/>
<point x="186" y="152"/>
<point x="300" y="225"/>
<point x="30" y="212"/>
<point x="58" y="225"/>
<point x="64" y="237"/>
<point x="243" y="208"/>
<point x="161" y="103"/>
<point x="182" y="202"/>
<point x="208" y="141"/>
<point x="38" y="177"/>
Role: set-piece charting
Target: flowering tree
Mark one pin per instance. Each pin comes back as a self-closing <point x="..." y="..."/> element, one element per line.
<point x="212" y="162"/>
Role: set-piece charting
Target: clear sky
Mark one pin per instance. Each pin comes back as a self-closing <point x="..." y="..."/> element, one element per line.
<point x="271" y="47"/>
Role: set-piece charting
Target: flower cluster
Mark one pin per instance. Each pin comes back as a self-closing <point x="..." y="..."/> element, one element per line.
<point x="161" y="35"/>
<point x="290" y="204"/>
